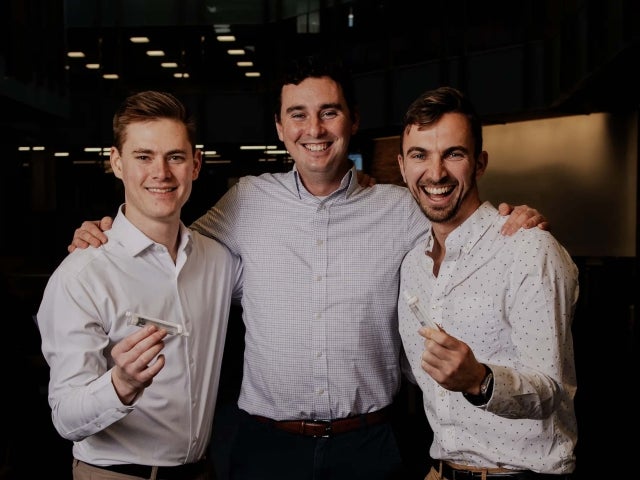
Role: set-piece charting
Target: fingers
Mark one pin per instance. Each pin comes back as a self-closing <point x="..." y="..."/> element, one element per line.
<point x="105" y="223"/>
<point x="90" y="234"/>
<point x="522" y="216"/>
<point x="96" y="229"/>
<point x="134" y="353"/>
<point x="138" y="360"/>
<point x="139" y="341"/>
<point x="154" y="368"/>
<point x="504" y="209"/>
<point x="541" y="223"/>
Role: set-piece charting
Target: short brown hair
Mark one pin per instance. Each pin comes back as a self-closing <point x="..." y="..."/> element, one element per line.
<point x="431" y="105"/>
<point x="151" y="105"/>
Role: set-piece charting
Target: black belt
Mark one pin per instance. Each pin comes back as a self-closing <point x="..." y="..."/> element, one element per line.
<point x="328" y="428"/>
<point x="458" y="474"/>
<point x="178" y="472"/>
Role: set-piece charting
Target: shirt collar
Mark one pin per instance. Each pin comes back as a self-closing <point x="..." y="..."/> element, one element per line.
<point x="134" y="241"/>
<point x="465" y="236"/>
<point x="348" y="184"/>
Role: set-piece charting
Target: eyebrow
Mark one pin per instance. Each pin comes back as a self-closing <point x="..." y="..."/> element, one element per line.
<point x="456" y="147"/>
<point x="324" y="106"/>
<point x="416" y="149"/>
<point x="151" y="151"/>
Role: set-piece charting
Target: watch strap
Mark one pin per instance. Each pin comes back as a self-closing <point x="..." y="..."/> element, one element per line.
<point x="486" y="389"/>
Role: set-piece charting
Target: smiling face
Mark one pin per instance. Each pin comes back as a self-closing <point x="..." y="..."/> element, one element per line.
<point x="157" y="165"/>
<point x="316" y="126"/>
<point x="440" y="170"/>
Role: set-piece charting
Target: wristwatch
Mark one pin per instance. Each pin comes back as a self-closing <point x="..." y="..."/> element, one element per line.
<point x="486" y="389"/>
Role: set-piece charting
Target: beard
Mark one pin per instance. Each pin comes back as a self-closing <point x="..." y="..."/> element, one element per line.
<point x="441" y="214"/>
<point x="449" y="211"/>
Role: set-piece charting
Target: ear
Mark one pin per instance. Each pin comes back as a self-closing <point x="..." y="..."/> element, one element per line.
<point x="356" y="121"/>
<point x="401" y="165"/>
<point x="116" y="162"/>
<point x="197" y="164"/>
<point x="481" y="163"/>
<point x="278" y="127"/>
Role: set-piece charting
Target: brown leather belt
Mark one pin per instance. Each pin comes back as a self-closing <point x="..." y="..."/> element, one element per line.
<point x="328" y="428"/>
<point x="452" y="471"/>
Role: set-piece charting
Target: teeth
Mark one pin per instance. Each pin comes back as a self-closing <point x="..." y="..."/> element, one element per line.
<point x="160" y="190"/>
<point x="437" y="190"/>
<point x="316" y="147"/>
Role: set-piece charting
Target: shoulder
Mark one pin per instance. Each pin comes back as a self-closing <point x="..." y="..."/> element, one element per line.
<point x="81" y="260"/>
<point x="539" y="247"/>
<point x="265" y="178"/>
<point x="212" y="248"/>
<point x="267" y="184"/>
<point x="388" y="192"/>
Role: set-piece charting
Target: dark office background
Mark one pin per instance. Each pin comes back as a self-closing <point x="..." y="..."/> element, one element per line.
<point x="521" y="60"/>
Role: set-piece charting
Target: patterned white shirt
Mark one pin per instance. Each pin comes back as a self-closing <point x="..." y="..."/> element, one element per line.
<point x="512" y="300"/>
<point x="321" y="279"/>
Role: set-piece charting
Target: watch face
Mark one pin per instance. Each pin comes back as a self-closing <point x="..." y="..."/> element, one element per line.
<point x="484" y="386"/>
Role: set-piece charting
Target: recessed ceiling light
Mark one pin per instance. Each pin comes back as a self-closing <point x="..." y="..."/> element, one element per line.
<point x="226" y="38"/>
<point x="169" y="65"/>
<point x="236" y="51"/>
<point x="245" y="64"/>
<point x="139" y="39"/>
<point x="75" y="54"/>
<point x="252" y="74"/>
<point x="222" y="28"/>
<point x="155" y="53"/>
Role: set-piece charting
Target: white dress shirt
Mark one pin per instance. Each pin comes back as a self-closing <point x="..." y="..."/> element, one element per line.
<point x="83" y="314"/>
<point x="321" y="278"/>
<point x="512" y="300"/>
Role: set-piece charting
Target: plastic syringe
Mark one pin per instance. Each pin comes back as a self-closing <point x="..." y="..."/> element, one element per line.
<point x="414" y="306"/>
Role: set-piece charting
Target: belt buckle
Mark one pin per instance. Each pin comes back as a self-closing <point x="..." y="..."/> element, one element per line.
<point x="464" y="474"/>
<point x="327" y="428"/>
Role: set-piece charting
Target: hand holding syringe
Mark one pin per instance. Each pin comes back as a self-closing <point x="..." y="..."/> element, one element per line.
<point x="423" y="318"/>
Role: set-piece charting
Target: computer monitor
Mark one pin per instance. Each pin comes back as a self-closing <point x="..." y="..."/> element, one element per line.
<point x="357" y="159"/>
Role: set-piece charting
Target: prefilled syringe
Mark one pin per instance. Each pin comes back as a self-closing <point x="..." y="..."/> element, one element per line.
<point x="414" y="306"/>
<point x="140" y="321"/>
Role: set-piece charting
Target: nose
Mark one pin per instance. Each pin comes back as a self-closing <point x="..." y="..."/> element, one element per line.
<point x="161" y="168"/>
<point x="316" y="127"/>
<point x="436" y="169"/>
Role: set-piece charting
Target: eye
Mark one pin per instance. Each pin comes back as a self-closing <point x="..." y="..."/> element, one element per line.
<point x="456" y="155"/>
<point x="329" y="114"/>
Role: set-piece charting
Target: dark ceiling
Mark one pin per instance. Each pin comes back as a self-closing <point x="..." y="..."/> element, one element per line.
<point x="589" y="51"/>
